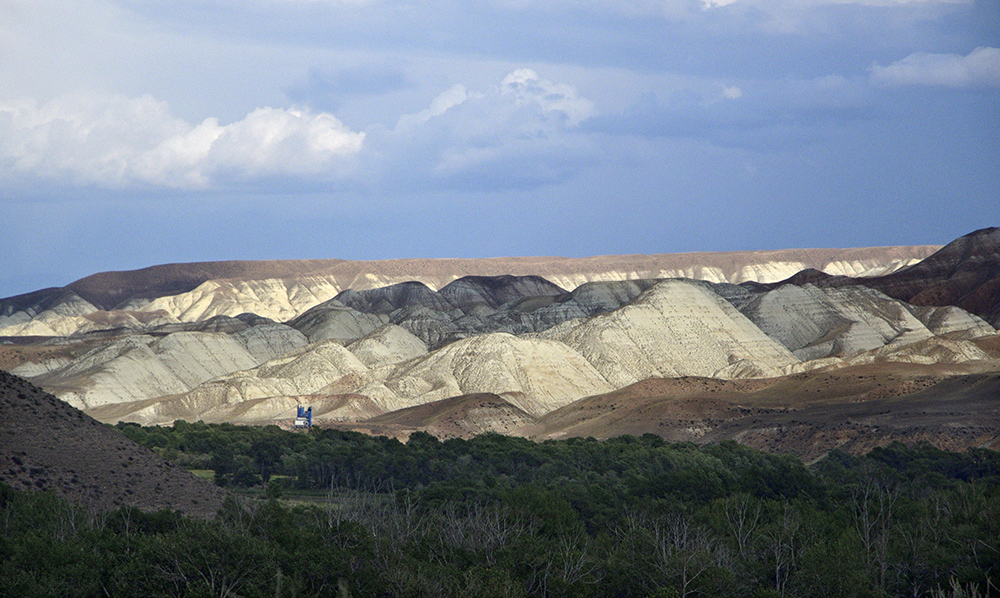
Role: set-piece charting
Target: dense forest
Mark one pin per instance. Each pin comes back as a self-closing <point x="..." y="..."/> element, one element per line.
<point x="334" y="513"/>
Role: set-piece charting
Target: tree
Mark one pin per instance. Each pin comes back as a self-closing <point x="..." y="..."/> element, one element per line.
<point x="874" y="502"/>
<point x="743" y="516"/>
<point x="784" y="545"/>
<point x="266" y="452"/>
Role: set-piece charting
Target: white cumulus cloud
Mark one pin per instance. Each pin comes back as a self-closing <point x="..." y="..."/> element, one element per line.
<point x="525" y="87"/>
<point x="119" y="142"/>
<point x="455" y="95"/>
<point x="981" y="68"/>
<point x="272" y="141"/>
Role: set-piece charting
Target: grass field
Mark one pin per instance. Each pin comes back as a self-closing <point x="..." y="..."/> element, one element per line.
<point x="205" y="474"/>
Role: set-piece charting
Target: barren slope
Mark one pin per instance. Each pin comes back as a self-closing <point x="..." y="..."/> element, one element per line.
<point x="808" y="414"/>
<point x="47" y="445"/>
<point x="456" y="417"/>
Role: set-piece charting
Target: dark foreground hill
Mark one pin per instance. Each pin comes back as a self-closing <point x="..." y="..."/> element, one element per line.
<point x="47" y="445"/>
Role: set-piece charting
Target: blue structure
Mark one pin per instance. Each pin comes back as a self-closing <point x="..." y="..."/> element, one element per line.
<point x="304" y="417"/>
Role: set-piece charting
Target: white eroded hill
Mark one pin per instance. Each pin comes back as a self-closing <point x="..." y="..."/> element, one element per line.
<point x="676" y="328"/>
<point x="142" y="367"/>
<point x="536" y="375"/>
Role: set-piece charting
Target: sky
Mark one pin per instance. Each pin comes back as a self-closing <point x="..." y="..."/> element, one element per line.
<point x="142" y="132"/>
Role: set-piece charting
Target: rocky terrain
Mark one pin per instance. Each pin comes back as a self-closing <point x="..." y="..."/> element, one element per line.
<point x="47" y="445"/>
<point x="518" y="352"/>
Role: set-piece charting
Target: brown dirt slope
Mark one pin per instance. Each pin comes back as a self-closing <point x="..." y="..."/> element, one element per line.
<point x="47" y="445"/>
<point x="953" y="414"/>
<point x="456" y="417"/>
<point x="809" y="414"/>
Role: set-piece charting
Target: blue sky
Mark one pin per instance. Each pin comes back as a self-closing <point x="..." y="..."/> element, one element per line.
<point x="138" y="132"/>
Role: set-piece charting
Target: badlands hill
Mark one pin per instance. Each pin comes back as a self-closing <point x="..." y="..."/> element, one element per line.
<point x="965" y="273"/>
<point x="284" y="289"/>
<point x="47" y="445"/>
<point x="519" y="352"/>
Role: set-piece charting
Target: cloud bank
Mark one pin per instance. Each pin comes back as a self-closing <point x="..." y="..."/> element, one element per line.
<point x="114" y="141"/>
<point x="522" y="131"/>
<point x="980" y="68"/>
